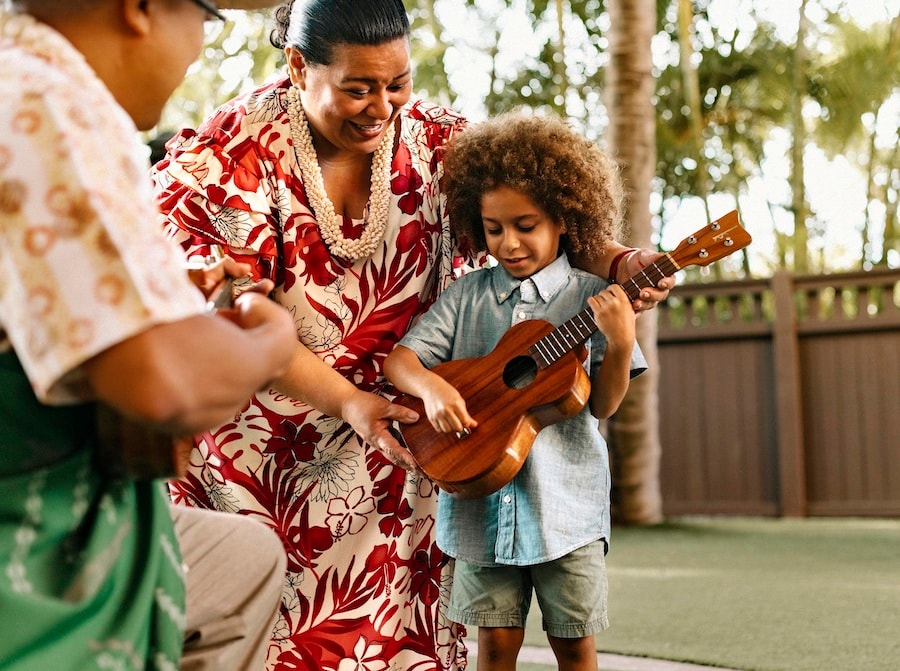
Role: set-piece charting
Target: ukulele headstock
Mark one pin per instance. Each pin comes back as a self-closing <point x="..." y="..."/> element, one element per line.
<point x="714" y="241"/>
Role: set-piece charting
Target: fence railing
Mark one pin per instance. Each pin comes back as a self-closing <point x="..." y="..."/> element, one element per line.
<point x="782" y="396"/>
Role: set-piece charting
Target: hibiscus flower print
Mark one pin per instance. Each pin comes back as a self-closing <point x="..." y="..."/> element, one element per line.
<point x="348" y="515"/>
<point x="289" y="599"/>
<point x="328" y="472"/>
<point x="408" y="186"/>
<point x="367" y="657"/>
<point x="426" y="573"/>
<point x="293" y="444"/>
<point x="220" y="494"/>
<point x="232" y="224"/>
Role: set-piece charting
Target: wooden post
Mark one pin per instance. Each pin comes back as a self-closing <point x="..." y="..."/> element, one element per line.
<point x="788" y="404"/>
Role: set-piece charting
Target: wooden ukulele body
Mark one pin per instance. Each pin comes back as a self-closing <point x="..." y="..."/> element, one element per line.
<point x="511" y="399"/>
<point x="129" y="449"/>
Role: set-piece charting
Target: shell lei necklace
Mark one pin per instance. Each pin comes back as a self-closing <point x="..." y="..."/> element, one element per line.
<point x="376" y="215"/>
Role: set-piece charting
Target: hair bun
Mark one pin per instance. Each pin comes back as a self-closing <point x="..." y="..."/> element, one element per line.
<point x="247" y="4"/>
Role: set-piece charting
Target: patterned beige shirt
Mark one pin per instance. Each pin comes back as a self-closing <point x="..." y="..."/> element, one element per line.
<point x="83" y="260"/>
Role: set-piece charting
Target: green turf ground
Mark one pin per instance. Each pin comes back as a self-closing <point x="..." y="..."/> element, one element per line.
<point x="755" y="594"/>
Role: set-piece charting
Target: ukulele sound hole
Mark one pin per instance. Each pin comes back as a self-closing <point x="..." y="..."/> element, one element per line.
<point x="520" y="372"/>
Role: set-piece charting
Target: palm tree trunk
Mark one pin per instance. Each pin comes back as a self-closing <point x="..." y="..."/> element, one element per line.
<point x="635" y="448"/>
<point x="691" y="82"/>
<point x="559" y="64"/>
<point x="891" y="236"/>
<point x="798" y="144"/>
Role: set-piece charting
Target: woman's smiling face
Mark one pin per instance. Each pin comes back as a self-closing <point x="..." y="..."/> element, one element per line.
<point x="350" y="103"/>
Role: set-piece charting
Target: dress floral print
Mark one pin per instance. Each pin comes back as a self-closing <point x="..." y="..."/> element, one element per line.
<point x="365" y="581"/>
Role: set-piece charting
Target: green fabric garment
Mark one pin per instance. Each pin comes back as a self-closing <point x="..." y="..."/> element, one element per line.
<point x="90" y="571"/>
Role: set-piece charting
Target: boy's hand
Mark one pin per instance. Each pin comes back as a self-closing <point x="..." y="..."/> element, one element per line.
<point x="614" y="316"/>
<point x="446" y="408"/>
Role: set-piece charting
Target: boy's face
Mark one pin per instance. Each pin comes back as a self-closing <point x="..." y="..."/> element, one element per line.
<point x="519" y="234"/>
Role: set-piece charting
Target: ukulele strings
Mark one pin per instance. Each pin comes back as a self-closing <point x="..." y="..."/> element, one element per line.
<point x="579" y="328"/>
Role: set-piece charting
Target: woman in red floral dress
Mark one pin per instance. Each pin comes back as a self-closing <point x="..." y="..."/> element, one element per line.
<point x="326" y="180"/>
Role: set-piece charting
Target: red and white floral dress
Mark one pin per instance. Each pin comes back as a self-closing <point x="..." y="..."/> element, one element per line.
<point x="365" y="579"/>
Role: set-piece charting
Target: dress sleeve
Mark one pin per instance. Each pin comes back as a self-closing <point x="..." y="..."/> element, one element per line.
<point x="432" y="337"/>
<point x="434" y="126"/>
<point x="215" y="188"/>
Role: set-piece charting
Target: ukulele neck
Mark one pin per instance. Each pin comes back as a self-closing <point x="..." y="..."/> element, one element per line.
<point x="582" y="326"/>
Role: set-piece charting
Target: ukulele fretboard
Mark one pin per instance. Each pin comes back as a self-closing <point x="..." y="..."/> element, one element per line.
<point x="579" y="328"/>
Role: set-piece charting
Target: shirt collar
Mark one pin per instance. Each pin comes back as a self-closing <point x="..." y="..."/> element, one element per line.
<point x="548" y="280"/>
<point x="23" y="31"/>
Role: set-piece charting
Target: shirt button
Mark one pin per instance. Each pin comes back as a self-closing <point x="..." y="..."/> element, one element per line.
<point x="507" y="499"/>
<point x="521" y="314"/>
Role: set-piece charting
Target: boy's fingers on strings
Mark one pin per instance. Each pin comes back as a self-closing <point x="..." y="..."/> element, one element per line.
<point x="616" y="292"/>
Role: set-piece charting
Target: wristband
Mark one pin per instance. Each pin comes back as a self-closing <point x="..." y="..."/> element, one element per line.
<point x="614" y="266"/>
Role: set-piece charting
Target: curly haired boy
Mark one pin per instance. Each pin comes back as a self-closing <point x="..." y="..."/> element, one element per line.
<point x="531" y="191"/>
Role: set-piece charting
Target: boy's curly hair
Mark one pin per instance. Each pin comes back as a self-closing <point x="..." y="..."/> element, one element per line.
<point x="565" y="174"/>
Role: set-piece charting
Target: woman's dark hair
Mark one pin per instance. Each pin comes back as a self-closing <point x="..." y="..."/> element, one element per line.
<point x="320" y="25"/>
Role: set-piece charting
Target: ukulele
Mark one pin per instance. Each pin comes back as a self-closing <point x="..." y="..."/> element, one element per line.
<point x="533" y="378"/>
<point x="130" y="449"/>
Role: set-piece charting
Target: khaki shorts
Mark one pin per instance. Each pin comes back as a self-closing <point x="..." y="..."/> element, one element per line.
<point x="571" y="592"/>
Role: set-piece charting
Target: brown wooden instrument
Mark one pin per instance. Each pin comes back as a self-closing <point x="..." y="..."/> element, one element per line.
<point x="129" y="449"/>
<point x="533" y="378"/>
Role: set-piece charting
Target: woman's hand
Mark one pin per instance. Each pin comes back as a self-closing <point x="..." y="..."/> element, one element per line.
<point x="371" y="417"/>
<point x="635" y="262"/>
<point x="625" y="263"/>
<point x="207" y="274"/>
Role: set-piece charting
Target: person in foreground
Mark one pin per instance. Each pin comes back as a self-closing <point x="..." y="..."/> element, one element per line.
<point x="326" y="180"/>
<point x="531" y="191"/>
<point x="96" y="307"/>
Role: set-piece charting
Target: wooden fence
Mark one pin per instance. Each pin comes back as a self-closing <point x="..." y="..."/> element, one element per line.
<point x="782" y="396"/>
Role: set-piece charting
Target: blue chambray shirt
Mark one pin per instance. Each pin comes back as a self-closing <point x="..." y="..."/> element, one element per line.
<point x="559" y="501"/>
